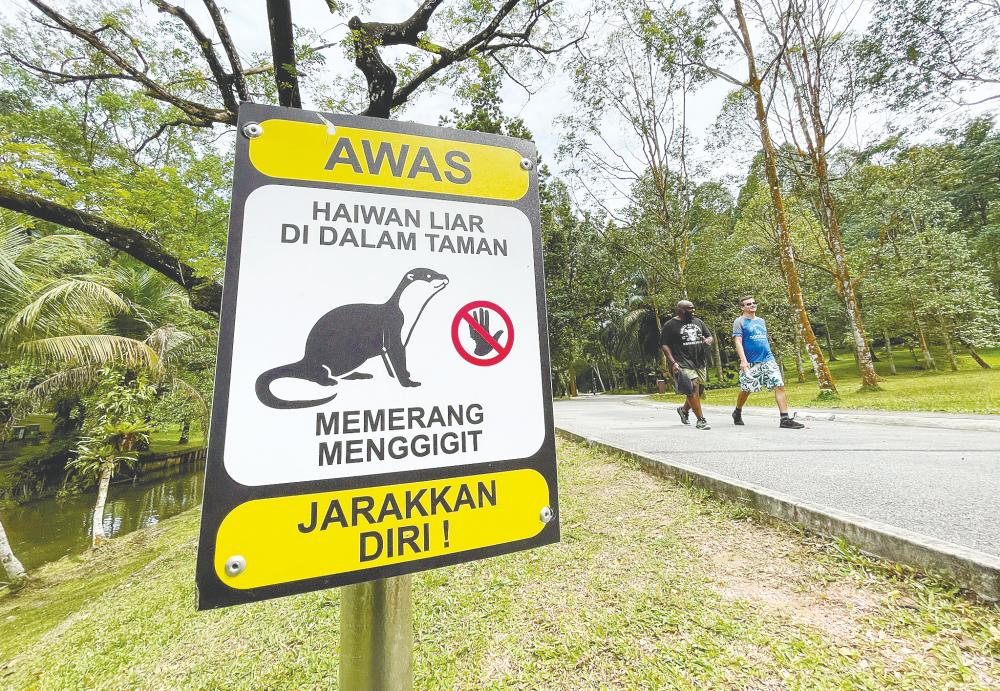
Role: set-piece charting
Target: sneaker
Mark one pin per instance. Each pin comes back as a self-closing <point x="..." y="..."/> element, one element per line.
<point x="789" y="423"/>
<point x="737" y="417"/>
<point x="685" y="415"/>
<point x="702" y="424"/>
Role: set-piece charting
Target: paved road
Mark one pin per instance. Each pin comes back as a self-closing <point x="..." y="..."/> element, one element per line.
<point x="937" y="481"/>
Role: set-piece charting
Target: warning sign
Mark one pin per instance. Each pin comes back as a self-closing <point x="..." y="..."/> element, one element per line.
<point x="382" y="401"/>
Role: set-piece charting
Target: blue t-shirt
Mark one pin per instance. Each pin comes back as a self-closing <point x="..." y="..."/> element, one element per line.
<point x="754" y="333"/>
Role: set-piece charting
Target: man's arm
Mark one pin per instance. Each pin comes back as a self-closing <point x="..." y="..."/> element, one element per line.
<point x="706" y="334"/>
<point x="738" y="342"/>
<point x="670" y="357"/>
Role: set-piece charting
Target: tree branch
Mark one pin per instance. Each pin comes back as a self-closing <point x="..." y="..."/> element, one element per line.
<point x="279" y="19"/>
<point x="230" y="48"/>
<point x="222" y="80"/>
<point x="368" y="37"/>
<point x="153" y="89"/>
<point x="205" y="294"/>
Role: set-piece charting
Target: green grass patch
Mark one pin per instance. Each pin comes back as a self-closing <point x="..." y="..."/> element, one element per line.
<point x="165" y="440"/>
<point x="653" y="585"/>
<point x="26" y="461"/>
<point x="969" y="390"/>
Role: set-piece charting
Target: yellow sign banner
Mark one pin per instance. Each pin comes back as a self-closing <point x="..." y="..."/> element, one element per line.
<point x="351" y="156"/>
<point x="284" y="539"/>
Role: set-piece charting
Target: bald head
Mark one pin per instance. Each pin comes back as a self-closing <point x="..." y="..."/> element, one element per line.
<point x="685" y="310"/>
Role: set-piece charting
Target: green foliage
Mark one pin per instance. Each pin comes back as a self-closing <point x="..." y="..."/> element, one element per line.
<point x="95" y="148"/>
<point x="118" y="425"/>
<point x="918" y="52"/>
<point x="579" y="269"/>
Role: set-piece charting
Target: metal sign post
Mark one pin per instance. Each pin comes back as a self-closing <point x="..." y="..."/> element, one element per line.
<point x="383" y="399"/>
<point x="376" y="635"/>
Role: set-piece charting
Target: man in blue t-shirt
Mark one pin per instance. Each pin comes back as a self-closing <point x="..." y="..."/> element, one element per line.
<point x="758" y="369"/>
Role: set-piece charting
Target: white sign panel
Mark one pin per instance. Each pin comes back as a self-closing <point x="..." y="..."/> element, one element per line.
<point x="332" y="273"/>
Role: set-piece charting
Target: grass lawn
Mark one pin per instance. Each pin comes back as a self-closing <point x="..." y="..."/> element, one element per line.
<point x="969" y="390"/>
<point x="164" y="440"/>
<point x="14" y="455"/>
<point x="652" y="586"/>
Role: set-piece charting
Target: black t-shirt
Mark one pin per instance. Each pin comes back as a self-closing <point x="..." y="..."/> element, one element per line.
<point x="685" y="341"/>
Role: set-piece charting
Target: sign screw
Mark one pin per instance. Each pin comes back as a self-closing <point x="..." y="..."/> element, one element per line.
<point x="236" y="565"/>
<point x="252" y="130"/>
<point x="546" y="514"/>
<point x="526" y="164"/>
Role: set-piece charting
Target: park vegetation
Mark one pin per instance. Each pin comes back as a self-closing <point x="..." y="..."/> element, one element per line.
<point x="116" y="130"/>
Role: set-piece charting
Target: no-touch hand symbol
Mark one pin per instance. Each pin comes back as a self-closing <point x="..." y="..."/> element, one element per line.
<point x="490" y="348"/>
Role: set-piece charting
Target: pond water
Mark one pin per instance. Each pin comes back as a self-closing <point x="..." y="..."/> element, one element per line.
<point x="44" y="530"/>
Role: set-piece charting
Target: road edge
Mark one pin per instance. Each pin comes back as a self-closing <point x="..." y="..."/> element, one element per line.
<point x="967" y="568"/>
<point x="866" y="417"/>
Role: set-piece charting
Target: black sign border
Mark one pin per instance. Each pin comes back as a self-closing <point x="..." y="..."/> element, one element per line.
<point x="223" y="494"/>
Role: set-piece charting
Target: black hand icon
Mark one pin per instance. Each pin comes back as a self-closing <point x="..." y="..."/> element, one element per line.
<point x="482" y="318"/>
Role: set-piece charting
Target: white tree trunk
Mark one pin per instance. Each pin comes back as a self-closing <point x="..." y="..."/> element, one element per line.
<point x="102" y="498"/>
<point x="15" y="571"/>
<point x="600" y="379"/>
<point x="718" y="357"/>
<point x="948" y="347"/>
<point x="888" y="349"/>
<point x="799" y="370"/>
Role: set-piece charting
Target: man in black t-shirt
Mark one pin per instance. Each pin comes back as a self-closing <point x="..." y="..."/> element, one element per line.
<point x="685" y="340"/>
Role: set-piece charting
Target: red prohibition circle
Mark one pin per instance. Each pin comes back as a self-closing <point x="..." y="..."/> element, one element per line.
<point x="465" y="315"/>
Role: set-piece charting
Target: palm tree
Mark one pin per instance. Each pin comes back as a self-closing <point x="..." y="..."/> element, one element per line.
<point x="120" y="429"/>
<point x="24" y="266"/>
<point x="642" y="322"/>
<point x="121" y="425"/>
<point x="87" y="322"/>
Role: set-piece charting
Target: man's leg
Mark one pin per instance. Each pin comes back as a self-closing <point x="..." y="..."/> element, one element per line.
<point x="694" y="403"/>
<point x="738" y="413"/>
<point x="781" y="399"/>
<point x="694" y="400"/>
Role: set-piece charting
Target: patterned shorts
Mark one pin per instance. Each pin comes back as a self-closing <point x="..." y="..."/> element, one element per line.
<point x="762" y="375"/>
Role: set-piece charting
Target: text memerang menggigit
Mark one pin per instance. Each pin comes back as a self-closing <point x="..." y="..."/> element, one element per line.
<point x="439" y="440"/>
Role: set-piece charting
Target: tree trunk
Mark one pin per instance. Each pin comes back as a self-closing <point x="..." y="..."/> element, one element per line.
<point x="922" y="339"/>
<point x="869" y="377"/>
<point x="15" y="571"/>
<point x="799" y="371"/>
<point x="102" y="498"/>
<point x="665" y="371"/>
<point x="808" y="98"/>
<point x="571" y="382"/>
<point x="949" y="348"/>
<point x="718" y="357"/>
<point x="600" y="380"/>
<point x="972" y="351"/>
<point x="829" y="343"/>
<point x="185" y="432"/>
<point x="205" y="294"/>
<point x="786" y="251"/>
<point x="888" y="350"/>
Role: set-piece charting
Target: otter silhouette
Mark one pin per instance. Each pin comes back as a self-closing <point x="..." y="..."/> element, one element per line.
<point x="347" y="336"/>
